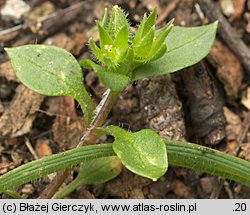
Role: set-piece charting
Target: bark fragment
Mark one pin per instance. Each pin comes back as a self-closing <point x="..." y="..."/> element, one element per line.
<point x="67" y="128"/>
<point x="17" y="118"/>
<point x="7" y="72"/>
<point x="203" y="104"/>
<point x="152" y="103"/>
<point x="229" y="70"/>
<point x="161" y="107"/>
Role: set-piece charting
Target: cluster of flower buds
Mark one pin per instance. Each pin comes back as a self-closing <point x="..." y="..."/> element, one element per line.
<point x="121" y="52"/>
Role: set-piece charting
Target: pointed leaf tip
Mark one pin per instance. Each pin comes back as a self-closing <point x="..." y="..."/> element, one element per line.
<point x="51" y="71"/>
<point x="185" y="47"/>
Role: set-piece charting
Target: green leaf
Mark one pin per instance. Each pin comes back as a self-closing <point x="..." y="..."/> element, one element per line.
<point x="117" y="21"/>
<point x="142" y="152"/>
<point x="159" y="53"/>
<point x="186" y="46"/>
<point x="99" y="170"/>
<point x="96" y="171"/>
<point x="142" y="50"/>
<point x="89" y="64"/>
<point x="105" y="39"/>
<point x="183" y="154"/>
<point x="13" y="194"/>
<point x="124" y="67"/>
<point x="105" y="19"/>
<point x="96" y="50"/>
<point x="121" y="41"/>
<point x="51" y="71"/>
<point x="160" y="37"/>
<point x="150" y="22"/>
<point x="138" y="34"/>
<point x="116" y="82"/>
<point x="145" y="26"/>
<point x="41" y="167"/>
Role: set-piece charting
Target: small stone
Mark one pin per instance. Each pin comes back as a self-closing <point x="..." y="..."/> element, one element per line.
<point x="14" y="10"/>
<point x="227" y="7"/>
<point x="42" y="148"/>
<point x="28" y="189"/>
<point x="208" y="184"/>
<point x="181" y="190"/>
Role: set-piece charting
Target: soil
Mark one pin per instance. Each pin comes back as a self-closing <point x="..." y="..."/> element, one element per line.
<point x="208" y="103"/>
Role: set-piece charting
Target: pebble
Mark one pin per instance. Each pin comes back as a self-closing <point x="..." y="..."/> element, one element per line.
<point x="14" y="10"/>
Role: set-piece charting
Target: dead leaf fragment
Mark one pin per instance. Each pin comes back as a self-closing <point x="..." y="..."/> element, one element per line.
<point x="43" y="9"/>
<point x="43" y="149"/>
<point x="7" y="72"/>
<point x="229" y="70"/>
<point x="18" y="116"/>
<point x="61" y="40"/>
<point x="151" y="4"/>
<point x="233" y="126"/>
<point x="7" y="166"/>
<point x="67" y="128"/>
<point x="28" y="189"/>
<point x="231" y="117"/>
<point x="245" y="100"/>
<point x="208" y="183"/>
<point x="247" y="18"/>
<point x="14" y="10"/>
<point x="232" y="147"/>
<point x="245" y="151"/>
<point x="239" y="6"/>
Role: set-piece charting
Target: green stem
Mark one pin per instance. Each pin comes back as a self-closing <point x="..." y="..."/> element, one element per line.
<point x="181" y="154"/>
<point x="86" y="104"/>
<point x="68" y="189"/>
<point x="13" y="194"/>
<point x="102" y="112"/>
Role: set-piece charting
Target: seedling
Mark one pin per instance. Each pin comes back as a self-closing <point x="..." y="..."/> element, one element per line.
<point x="122" y="58"/>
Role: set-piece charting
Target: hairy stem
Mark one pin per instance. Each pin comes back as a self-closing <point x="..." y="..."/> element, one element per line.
<point x="87" y="106"/>
<point x="68" y="189"/>
<point x="13" y="194"/>
<point x="101" y="113"/>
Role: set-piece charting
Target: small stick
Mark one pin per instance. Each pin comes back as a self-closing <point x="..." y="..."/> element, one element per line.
<point x="169" y="8"/>
<point x="31" y="149"/>
<point x="227" y="32"/>
<point x="217" y="189"/>
<point x="44" y="26"/>
<point x="243" y="132"/>
<point x="55" y="184"/>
